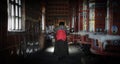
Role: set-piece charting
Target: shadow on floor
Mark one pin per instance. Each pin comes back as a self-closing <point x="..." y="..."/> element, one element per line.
<point x="43" y="57"/>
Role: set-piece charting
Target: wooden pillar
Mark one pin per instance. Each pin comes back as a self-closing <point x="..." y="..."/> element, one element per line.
<point x="110" y="17"/>
<point x="80" y="17"/>
<point x="43" y="17"/>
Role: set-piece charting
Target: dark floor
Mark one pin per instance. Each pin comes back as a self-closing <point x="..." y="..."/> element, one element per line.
<point x="76" y="56"/>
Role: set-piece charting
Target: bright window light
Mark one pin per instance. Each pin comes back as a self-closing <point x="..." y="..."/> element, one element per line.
<point x="14" y="16"/>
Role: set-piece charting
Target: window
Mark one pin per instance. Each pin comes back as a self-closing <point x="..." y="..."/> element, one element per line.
<point x="84" y="15"/>
<point x="15" y="16"/>
<point x="91" y="16"/>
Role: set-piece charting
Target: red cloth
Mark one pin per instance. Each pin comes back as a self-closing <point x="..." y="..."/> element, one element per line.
<point x="61" y="35"/>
